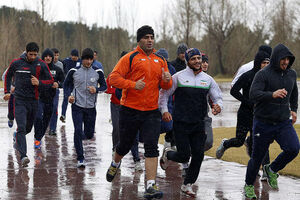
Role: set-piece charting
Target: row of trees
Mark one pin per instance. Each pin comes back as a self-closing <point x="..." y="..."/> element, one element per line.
<point x="229" y="32"/>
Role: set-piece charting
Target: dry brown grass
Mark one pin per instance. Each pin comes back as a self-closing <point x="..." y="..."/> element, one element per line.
<point x="239" y="155"/>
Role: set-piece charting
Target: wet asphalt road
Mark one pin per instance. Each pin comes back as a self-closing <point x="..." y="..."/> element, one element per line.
<point x="52" y="171"/>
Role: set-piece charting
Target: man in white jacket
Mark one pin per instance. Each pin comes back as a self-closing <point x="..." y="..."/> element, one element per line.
<point x="190" y="87"/>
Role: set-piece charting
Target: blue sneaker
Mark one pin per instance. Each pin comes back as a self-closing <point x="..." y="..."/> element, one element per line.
<point x="10" y="123"/>
<point x="37" y="144"/>
<point x="80" y="163"/>
<point x="153" y="192"/>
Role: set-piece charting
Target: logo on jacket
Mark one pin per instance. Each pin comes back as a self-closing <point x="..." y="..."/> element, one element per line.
<point x="93" y="79"/>
<point x="25" y="68"/>
<point x="142" y="59"/>
<point x="155" y="60"/>
<point x="203" y="83"/>
<point x="53" y="72"/>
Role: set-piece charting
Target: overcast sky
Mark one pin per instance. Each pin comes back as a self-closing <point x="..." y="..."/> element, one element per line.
<point x="100" y="12"/>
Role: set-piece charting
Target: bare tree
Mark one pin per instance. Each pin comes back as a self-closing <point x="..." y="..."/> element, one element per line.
<point x="282" y="23"/>
<point x="184" y="20"/>
<point x="219" y="22"/>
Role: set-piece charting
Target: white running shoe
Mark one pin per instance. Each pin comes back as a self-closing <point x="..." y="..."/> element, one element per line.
<point x="187" y="189"/>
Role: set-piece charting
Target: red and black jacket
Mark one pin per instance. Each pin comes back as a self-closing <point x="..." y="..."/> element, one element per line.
<point x="22" y="70"/>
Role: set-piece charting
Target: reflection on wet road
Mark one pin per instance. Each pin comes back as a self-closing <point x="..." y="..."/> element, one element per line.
<point x="52" y="172"/>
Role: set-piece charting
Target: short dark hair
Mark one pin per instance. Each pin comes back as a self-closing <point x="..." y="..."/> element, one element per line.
<point x="55" y="50"/>
<point x="32" y="46"/>
<point x="87" y="54"/>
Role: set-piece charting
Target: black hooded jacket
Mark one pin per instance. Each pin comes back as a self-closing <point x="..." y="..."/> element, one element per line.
<point x="270" y="79"/>
<point x="21" y="69"/>
<point x="178" y="64"/>
<point x="244" y="84"/>
<point x="47" y="93"/>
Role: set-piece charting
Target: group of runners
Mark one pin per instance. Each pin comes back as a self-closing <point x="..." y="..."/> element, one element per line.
<point x="150" y="96"/>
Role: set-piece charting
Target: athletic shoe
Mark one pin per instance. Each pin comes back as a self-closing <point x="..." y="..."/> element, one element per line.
<point x="271" y="177"/>
<point x="163" y="159"/>
<point x="221" y="149"/>
<point x="62" y="119"/>
<point x="81" y="164"/>
<point x="10" y="123"/>
<point x="37" y="144"/>
<point x="264" y="176"/>
<point x="111" y="172"/>
<point x="52" y="132"/>
<point x="138" y="166"/>
<point x="167" y="144"/>
<point x="25" y="161"/>
<point x="153" y="192"/>
<point x="187" y="189"/>
<point x="249" y="191"/>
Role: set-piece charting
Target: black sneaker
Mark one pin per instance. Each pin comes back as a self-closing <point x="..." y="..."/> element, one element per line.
<point x="62" y="119"/>
<point x="51" y="132"/>
<point x="111" y="172"/>
<point x="153" y="192"/>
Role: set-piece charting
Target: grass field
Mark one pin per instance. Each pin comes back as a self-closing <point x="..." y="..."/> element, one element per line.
<point x="239" y="155"/>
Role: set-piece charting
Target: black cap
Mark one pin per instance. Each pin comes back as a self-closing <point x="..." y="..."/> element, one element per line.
<point x="74" y="52"/>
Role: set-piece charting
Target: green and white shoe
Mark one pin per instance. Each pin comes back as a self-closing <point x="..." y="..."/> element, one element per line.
<point x="249" y="191"/>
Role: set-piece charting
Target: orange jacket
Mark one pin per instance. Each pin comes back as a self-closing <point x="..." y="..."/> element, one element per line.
<point x="149" y="67"/>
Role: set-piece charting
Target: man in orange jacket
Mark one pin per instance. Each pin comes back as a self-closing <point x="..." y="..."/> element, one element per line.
<point x="140" y="74"/>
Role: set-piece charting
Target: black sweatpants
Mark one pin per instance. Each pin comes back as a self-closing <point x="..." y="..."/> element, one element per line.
<point x="190" y="140"/>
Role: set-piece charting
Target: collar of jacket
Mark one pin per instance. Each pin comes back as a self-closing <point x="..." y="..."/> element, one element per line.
<point x="141" y="51"/>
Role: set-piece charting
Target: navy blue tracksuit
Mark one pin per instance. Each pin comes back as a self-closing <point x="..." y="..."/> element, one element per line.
<point x="271" y="115"/>
<point x="26" y="94"/>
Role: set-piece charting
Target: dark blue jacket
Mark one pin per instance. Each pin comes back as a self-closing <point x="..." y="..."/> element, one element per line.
<point x="168" y="126"/>
<point x="69" y="64"/>
<point x="270" y="79"/>
<point x="22" y="70"/>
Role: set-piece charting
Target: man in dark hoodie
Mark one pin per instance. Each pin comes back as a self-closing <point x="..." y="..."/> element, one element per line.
<point x="30" y="74"/>
<point x="179" y="63"/>
<point x="275" y="95"/>
<point x="245" y="112"/>
<point x="45" y="106"/>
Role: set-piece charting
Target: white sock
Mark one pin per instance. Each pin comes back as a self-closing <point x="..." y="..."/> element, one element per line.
<point x="150" y="183"/>
<point x="185" y="165"/>
<point x="115" y="164"/>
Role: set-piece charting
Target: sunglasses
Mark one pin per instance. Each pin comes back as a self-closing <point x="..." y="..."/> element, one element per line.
<point x="265" y="62"/>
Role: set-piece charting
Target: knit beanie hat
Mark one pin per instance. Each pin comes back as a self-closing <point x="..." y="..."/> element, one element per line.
<point x="87" y="54"/>
<point x="144" y="30"/>
<point x="191" y="52"/>
<point x="163" y="52"/>
<point x="181" y="48"/>
<point x="204" y="58"/>
<point x="74" y="52"/>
